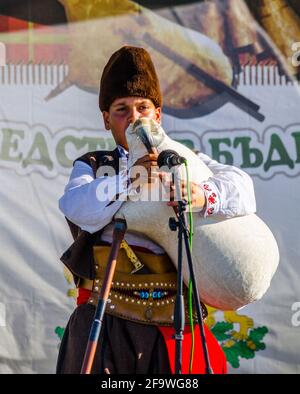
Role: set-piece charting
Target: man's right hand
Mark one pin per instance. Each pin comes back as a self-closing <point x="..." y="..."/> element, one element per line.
<point x="146" y="168"/>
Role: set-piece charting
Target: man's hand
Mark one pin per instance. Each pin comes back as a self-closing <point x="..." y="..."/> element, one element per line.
<point x="148" y="170"/>
<point x="198" y="200"/>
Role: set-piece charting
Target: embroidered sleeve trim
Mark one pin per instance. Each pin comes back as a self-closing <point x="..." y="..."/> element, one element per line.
<point x="212" y="200"/>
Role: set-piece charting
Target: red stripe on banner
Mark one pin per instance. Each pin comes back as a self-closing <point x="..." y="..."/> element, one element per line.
<point x="3" y="23"/>
<point x="15" y="24"/>
<point x="28" y="50"/>
<point x="46" y="54"/>
<point x="17" y="53"/>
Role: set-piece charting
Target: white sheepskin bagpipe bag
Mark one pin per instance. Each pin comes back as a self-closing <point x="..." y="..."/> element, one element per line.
<point x="234" y="259"/>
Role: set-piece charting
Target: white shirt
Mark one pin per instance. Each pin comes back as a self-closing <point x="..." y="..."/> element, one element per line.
<point x="229" y="192"/>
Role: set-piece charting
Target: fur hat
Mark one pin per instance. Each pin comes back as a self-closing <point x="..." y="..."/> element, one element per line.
<point x="129" y="72"/>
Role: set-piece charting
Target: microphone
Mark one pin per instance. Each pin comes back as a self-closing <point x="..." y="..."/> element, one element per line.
<point x="169" y="158"/>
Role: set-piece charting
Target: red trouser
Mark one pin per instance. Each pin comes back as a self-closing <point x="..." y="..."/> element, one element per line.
<point x="215" y="352"/>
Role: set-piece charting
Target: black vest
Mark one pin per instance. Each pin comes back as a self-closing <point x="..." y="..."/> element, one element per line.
<point x="78" y="258"/>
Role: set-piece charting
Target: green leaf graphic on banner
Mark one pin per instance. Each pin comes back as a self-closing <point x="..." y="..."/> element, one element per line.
<point x="236" y="335"/>
<point x="59" y="331"/>
<point x="234" y="350"/>
<point x="219" y="330"/>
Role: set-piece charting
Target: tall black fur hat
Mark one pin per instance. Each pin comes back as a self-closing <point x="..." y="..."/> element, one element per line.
<point x="129" y="72"/>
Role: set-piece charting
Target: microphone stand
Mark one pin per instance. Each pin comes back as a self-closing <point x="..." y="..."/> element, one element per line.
<point x="179" y="318"/>
<point x="118" y="235"/>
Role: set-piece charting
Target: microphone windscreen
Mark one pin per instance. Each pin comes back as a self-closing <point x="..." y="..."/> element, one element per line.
<point x="163" y="156"/>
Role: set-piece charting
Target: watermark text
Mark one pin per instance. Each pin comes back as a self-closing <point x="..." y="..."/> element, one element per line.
<point x="296" y="316"/>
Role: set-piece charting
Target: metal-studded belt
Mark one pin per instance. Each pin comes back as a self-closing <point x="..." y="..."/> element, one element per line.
<point x="135" y="295"/>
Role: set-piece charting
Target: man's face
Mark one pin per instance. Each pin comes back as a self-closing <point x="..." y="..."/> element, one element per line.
<point x="126" y="110"/>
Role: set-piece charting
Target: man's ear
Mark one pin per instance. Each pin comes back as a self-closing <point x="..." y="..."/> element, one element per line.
<point x="105" y="115"/>
<point x="158" y="114"/>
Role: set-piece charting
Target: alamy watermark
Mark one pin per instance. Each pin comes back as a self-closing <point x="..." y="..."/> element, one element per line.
<point x="295" y="320"/>
<point x="139" y="184"/>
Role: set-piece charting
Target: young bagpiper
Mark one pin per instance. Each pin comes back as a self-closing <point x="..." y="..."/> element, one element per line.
<point x="134" y="338"/>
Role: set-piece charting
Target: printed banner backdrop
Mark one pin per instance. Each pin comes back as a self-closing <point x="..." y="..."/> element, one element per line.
<point x="49" y="116"/>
